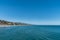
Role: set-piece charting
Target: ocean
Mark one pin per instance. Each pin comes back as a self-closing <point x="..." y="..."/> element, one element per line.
<point x="36" y="32"/>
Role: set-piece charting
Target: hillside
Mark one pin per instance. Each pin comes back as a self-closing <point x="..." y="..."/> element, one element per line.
<point x="3" y="22"/>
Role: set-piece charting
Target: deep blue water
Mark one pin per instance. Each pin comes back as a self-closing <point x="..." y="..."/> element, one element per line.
<point x="30" y="33"/>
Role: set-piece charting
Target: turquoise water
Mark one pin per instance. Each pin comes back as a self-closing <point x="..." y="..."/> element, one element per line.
<point x="30" y="33"/>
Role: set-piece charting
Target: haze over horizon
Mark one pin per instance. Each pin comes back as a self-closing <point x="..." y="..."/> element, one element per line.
<point x="40" y="12"/>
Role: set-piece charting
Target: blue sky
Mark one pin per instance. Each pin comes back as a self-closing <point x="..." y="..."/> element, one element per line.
<point x="31" y="11"/>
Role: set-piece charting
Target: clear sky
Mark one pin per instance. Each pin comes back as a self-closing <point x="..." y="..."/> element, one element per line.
<point x="31" y="11"/>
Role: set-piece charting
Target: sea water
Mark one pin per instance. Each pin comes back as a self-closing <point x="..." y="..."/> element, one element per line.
<point x="30" y="33"/>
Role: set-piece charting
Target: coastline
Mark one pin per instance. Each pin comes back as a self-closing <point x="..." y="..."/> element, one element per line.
<point x="12" y="25"/>
<point x="4" y="23"/>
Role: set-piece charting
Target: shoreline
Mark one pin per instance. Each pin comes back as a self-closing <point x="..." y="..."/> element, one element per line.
<point x="12" y="25"/>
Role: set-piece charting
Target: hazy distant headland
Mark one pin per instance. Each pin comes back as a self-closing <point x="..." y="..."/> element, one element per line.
<point x="8" y="23"/>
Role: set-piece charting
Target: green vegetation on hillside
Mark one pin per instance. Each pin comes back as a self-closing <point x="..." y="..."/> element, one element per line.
<point x="3" y="22"/>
